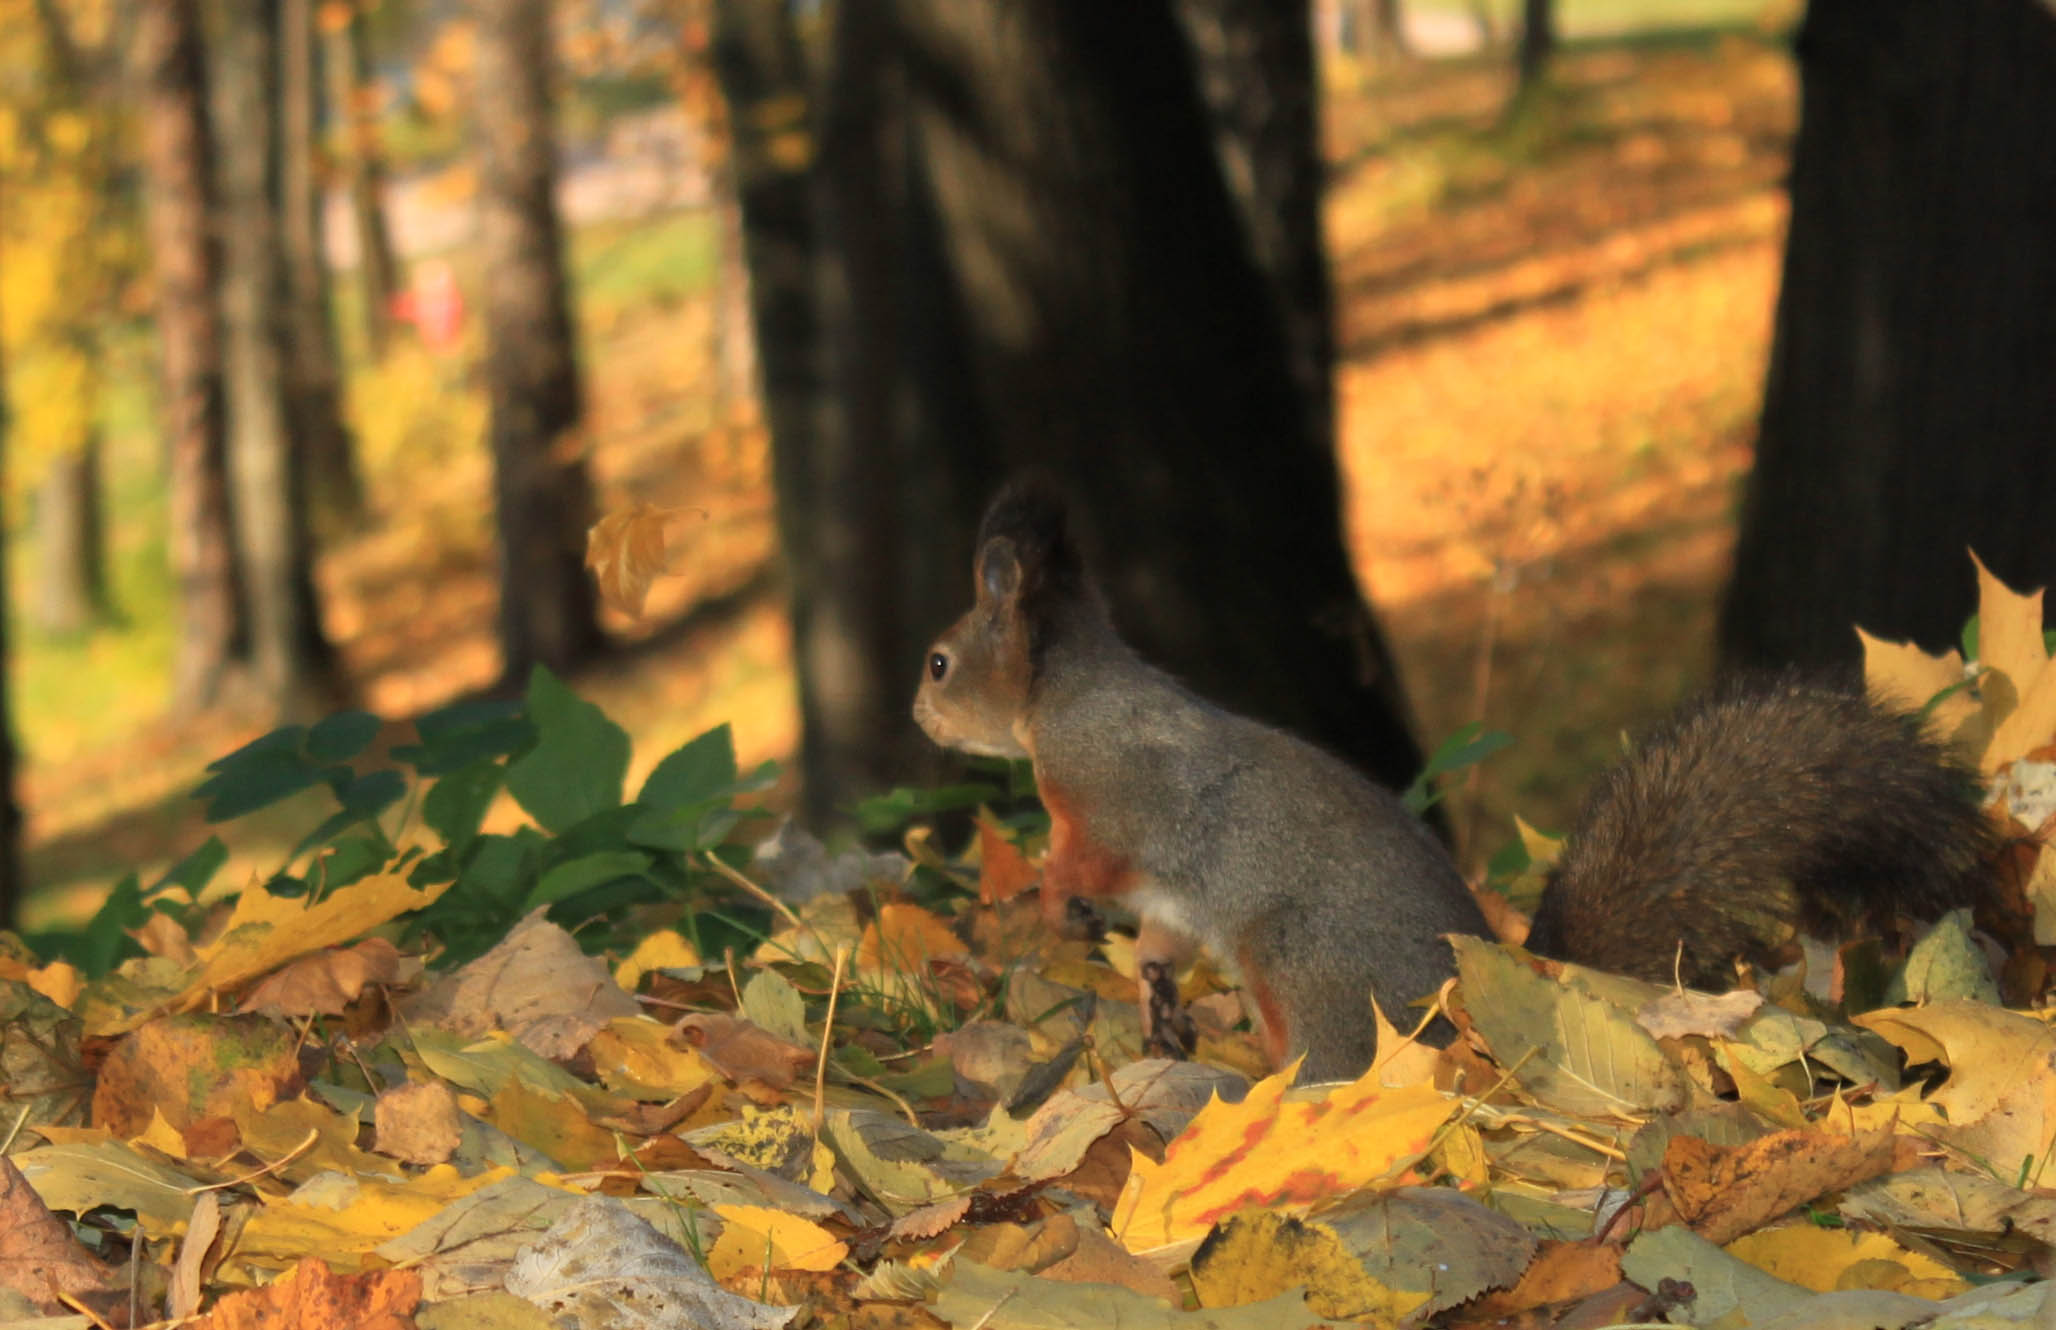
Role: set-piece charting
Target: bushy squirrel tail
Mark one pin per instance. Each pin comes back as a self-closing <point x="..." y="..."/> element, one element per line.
<point x="1766" y="805"/>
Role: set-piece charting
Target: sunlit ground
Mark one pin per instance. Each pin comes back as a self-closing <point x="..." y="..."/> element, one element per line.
<point x="1554" y="336"/>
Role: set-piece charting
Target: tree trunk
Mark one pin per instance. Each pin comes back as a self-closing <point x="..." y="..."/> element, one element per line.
<point x="1388" y="30"/>
<point x="1909" y="402"/>
<point x="1538" y="40"/>
<point x="178" y="165"/>
<point x="12" y="884"/>
<point x="1487" y="26"/>
<point x="1029" y="255"/>
<point x="71" y="566"/>
<point x="313" y="370"/>
<point x="350" y="74"/>
<point x="541" y="486"/>
<point x="292" y="665"/>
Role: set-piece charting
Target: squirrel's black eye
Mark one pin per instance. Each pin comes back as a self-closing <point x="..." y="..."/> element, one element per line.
<point x="938" y="665"/>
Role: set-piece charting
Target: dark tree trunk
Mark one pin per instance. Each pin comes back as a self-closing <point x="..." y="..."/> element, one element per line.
<point x="765" y="81"/>
<point x="1383" y="25"/>
<point x="12" y="884"/>
<point x="178" y="164"/>
<point x="1538" y="39"/>
<point x="71" y="565"/>
<point x="1029" y="254"/>
<point x="292" y="664"/>
<point x="313" y="370"/>
<point x="1255" y="61"/>
<point x="377" y="270"/>
<point x="541" y="487"/>
<point x="1912" y="385"/>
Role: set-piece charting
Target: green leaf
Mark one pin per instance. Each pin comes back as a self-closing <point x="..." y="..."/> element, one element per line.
<point x="1469" y="745"/>
<point x="196" y="870"/>
<point x="568" y="879"/>
<point x="257" y="775"/>
<point x="455" y="805"/>
<point x="363" y="798"/>
<point x="342" y="736"/>
<point x="701" y="770"/>
<point x="466" y="732"/>
<point x="349" y="860"/>
<point x="579" y="760"/>
<point x="105" y="939"/>
<point x="895" y="808"/>
<point x="501" y="868"/>
<point x="695" y="827"/>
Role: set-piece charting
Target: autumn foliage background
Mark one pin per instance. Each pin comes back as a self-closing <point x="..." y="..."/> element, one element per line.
<point x="1553" y="324"/>
<point x="349" y="1073"/>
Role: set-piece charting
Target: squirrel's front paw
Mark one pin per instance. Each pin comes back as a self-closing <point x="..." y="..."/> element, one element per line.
<point x="1167" y="1025"/>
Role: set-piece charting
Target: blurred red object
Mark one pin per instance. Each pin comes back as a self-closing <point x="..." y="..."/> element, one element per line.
<point x="434" y="306"/>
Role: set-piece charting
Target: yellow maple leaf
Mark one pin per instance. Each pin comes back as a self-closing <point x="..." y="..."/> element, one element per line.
<point x="1267" y="1151"/>
<point x="629" y="550"/>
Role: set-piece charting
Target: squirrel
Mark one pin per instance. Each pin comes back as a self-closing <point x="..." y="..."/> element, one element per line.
<point x="1759" y="809"/>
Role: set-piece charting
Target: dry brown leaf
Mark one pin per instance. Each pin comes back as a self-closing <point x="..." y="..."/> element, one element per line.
<point x="327" y="982"/>
<point x="192" y="1068"/>
<point x="418" y="1123"/>
<point x="312" y="1298"/>
<point x="627" y="551"/>
<point x="1562" y="1272"/>
<point x="187" y="1272"/>
<point x="1726" y="1191"/>
<point x="39" y="1257"/>
<point x="745" y="1051"/>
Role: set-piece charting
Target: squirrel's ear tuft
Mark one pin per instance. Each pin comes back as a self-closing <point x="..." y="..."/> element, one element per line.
<point x="1030" y="524"/>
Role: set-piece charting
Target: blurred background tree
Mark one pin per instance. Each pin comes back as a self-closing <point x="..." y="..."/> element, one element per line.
<point x="1295" y="316"/>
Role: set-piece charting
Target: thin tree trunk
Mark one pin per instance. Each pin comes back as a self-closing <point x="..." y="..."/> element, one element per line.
<point x="313" y="369"/>
<point x="1538" y="40"/>
<point x="71" y="568"/>
<point x="292" y="663"/>
<point x="350" y="76"/>
<point x="178" y="166"/>
<point x="541" y="485"/>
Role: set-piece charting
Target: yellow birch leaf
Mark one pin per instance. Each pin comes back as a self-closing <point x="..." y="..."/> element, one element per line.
<point x="341" y="1218"/>
<point x="266" y="931"/>
<point x="1266" y="1151"/>
<point x="655" y="952"/>
<point x="1826" y="1259"/>
<point x="639" y="1057"/>
<point x="755" y="1237"/>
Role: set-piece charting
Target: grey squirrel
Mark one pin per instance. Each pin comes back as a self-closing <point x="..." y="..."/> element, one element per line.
<point x="1758" y="809"/>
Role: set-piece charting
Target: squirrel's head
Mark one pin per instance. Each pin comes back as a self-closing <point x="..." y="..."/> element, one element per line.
<point x="979" y="677"/>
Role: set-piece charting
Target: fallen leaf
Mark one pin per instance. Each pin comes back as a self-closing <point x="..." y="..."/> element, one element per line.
<point x="39" y="1257"/>
<point x="1270" y="1152"/>
<point x="313" y="1298"/>
<point x="1726" y="1191"/>
<point x="326" y="983"/>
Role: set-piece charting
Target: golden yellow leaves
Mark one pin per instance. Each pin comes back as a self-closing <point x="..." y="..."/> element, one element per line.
<point x="1267" y="1151"/>
<point x="2001" y="719"/>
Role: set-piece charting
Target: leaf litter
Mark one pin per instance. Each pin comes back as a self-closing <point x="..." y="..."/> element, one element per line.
<point x="894" y="1100"/>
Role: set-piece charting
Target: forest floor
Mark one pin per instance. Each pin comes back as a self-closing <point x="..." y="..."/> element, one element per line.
<point x="1553" y="329"/>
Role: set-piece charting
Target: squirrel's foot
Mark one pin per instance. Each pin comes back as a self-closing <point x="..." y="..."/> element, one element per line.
<point x="1166" y="1023"/>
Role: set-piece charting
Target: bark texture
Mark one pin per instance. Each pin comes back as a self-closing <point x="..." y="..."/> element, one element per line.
<point x="178" y="163"/>
<point x="1910" y="396"/>
<point x="541" y="487"/>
